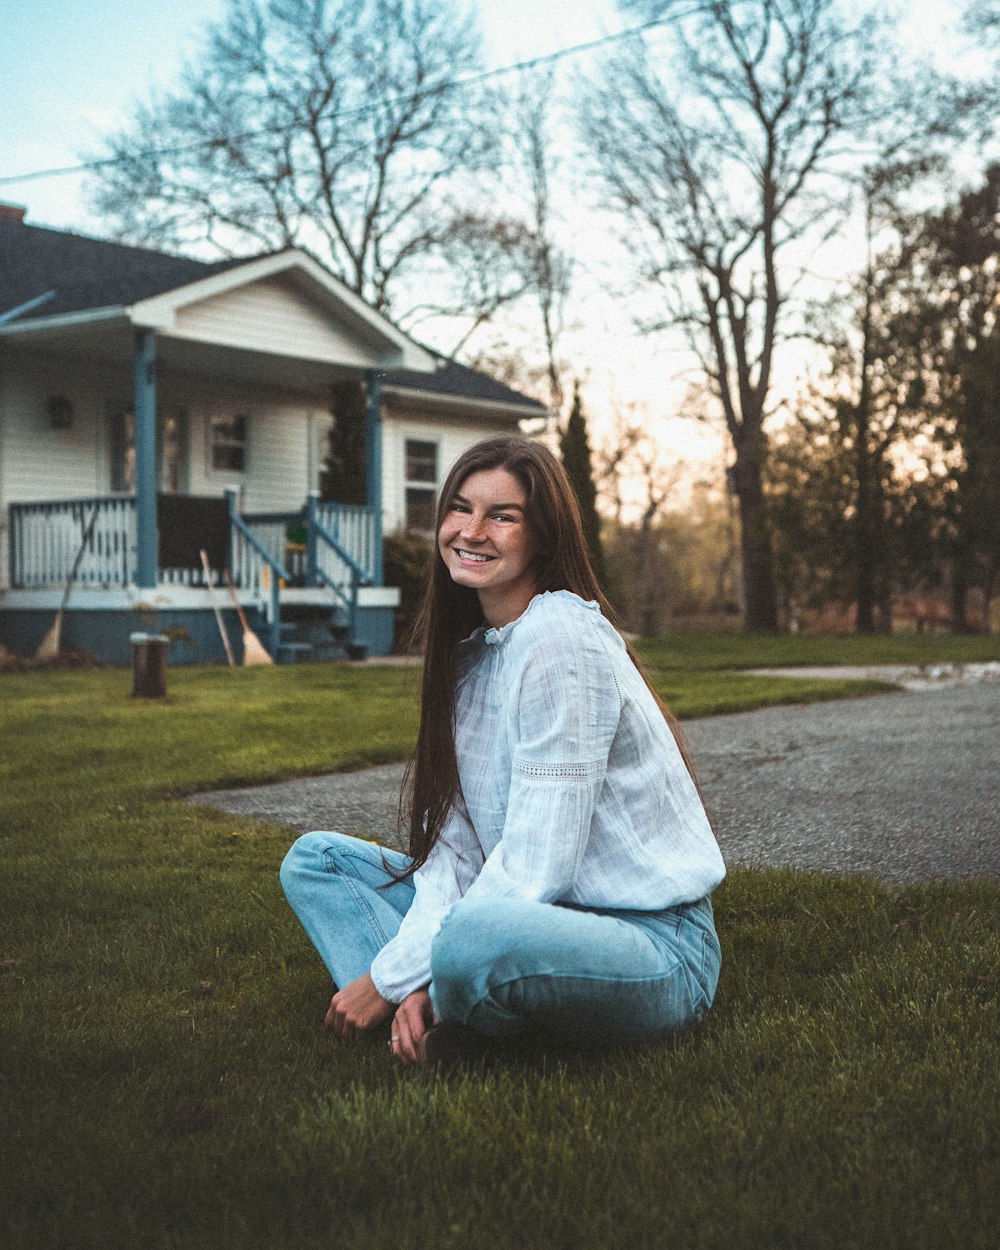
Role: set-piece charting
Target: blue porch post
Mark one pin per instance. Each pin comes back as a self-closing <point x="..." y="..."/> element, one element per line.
<point x="312" y="511"/>
<point x="147" y="540"/>
<point x="373" y="464"/>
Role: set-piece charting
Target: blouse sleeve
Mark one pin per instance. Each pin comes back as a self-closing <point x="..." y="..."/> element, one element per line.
<point x="563" y="720"/>
<point x="404" y="963"/>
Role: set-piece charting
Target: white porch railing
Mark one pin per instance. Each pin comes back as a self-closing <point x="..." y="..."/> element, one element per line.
<point x="257" y="555"/>
<point x="270" y="531"/>
<point x="352" y="528"/>
<point x="46" y="537"/>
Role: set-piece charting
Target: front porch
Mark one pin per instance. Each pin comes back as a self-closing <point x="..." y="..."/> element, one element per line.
<point x="309" y="580"/>
<point x="122" y="423"/>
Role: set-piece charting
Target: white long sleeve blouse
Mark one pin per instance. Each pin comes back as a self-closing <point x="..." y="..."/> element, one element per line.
<point x="573" y="787"/>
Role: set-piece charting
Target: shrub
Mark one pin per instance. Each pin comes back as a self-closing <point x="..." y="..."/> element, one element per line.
<point x="406" y="564"/>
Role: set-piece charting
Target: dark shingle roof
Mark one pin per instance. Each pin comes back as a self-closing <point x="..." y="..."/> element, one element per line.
<point x="460" y="381"/>
<point x="84" y="273"/>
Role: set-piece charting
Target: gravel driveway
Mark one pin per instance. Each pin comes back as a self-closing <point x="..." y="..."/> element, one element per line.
<point x="902" y="786"/>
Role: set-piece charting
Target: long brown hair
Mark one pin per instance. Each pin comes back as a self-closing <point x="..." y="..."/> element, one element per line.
<point x="449" y="613"/>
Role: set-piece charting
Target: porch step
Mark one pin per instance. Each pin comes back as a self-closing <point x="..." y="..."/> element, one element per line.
<point x="293" y="652"/>
<point x="316" y="634"/>
<point x="299" y="652"/>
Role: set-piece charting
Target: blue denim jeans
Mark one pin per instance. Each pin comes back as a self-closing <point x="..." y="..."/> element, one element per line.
<point x="504" y="966"/>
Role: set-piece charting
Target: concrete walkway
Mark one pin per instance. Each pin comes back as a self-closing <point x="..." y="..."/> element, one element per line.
<point x="904" y="786"/>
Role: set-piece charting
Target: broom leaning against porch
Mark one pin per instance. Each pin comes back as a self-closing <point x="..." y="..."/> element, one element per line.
<point x="48" y="648"/>
<point x="254" y="651"/>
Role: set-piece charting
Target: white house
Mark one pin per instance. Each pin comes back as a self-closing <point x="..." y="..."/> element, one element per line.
<point x="152" y="406"/>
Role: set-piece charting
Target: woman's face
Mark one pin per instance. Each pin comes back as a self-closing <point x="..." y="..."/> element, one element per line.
<point x="487" y="543"/>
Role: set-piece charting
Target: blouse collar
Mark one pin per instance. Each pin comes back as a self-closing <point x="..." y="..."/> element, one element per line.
<point x="496" y="635"/>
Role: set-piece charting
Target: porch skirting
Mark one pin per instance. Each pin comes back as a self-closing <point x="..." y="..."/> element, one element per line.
<point x="99" y="622"/>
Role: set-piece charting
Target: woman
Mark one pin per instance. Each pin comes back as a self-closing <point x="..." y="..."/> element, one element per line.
<point x="560" y="861"/>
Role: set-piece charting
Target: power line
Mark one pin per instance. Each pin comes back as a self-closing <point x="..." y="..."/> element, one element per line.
<point x="533" y="63"/>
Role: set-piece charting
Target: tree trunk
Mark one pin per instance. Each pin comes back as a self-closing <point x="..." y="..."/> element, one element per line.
<point x="989" y="586"/>
<point x="959" y="593"/>
<point x="647" y="597"/>
<point x="760" y="610"/>
<point x="865" y="551"/>
<point x="865" y="464"/>
<point x="874" y="578"/>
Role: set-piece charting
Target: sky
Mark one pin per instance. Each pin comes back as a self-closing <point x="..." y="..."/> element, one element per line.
<point x="71" y="70"/>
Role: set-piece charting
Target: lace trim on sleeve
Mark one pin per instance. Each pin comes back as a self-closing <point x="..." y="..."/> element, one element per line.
<point x="562" y="772"/>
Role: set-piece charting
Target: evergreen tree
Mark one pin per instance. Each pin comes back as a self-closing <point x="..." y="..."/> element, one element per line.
<point x="574" y="447"/>
<point x="343" y="477"/>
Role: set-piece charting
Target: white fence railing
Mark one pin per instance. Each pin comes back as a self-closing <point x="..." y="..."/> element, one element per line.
<point x="352" y="527"/>
<point x="47" y="537"/>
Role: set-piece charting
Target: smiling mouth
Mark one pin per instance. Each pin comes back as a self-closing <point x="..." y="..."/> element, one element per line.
<point x="471" y="555"/>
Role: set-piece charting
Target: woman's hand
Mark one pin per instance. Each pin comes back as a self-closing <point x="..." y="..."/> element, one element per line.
<point x="411" y="1021"/>
<point x="357" y="1008"/>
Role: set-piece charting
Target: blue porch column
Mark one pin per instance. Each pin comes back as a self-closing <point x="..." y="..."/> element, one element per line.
<point x="147" y="539"/>
<point x="373" y="464"/>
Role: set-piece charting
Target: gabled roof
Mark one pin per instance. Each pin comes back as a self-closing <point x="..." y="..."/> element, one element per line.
<point x="56" y="282"/>
<point x="84" y="273"/>
<point x="46" y="274"/>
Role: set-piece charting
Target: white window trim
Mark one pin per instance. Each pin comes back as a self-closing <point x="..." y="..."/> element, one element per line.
<point x="214" y="414"/>
<point x="430" y="488"/>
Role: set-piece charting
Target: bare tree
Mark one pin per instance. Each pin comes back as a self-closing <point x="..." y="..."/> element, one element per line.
<point x="659" y="483"/>
<point x="633" y="477"/>
<point x="516" y="260"/>
<point x="484" y="262"/>
<point x="870" y="350"/>
<point x="715" y="154"/>
<point x="336" y="124"/>
<point x="612" y="460"/>
<point x="552" y="268"/>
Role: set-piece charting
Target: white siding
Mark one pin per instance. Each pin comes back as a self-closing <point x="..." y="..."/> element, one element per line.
<point x="282" y="460"/>
<point x="38" y="461"/>
<point x="272" y="316"/>
<point x="452" y="437"/>
<point x="279" y="460"/>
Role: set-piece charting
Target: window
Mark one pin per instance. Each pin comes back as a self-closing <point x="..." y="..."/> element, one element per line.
<point x="421" y="484"/>
<point x="421" y="461"/>
<point x="172" y="452"/>
<point x="227" y="441"/>
<point x="122" y="450"/>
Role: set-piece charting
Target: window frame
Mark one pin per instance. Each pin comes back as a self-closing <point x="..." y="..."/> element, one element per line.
<point x="420" y="485"/>
<point x="213" y="440"/>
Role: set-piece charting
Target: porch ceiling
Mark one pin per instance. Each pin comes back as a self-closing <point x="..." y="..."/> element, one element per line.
<point x="108" y="338"/>
<point x="236" y="365"/>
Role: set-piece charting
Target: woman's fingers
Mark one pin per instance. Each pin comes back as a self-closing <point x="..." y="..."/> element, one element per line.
<point x="336" y="1019"/>
<point x="409" y="1025"/>
<point x="403" y="1046"/>
<point x="400" y="1037"/>
<point x="357" y="1007"/>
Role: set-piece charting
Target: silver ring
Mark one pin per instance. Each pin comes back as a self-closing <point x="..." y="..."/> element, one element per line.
<point x="394" y="1038"/>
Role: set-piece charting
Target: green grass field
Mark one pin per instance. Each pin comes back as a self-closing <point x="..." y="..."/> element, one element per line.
<point x="735" y="650"/>
<point x="167" y="1082"/>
